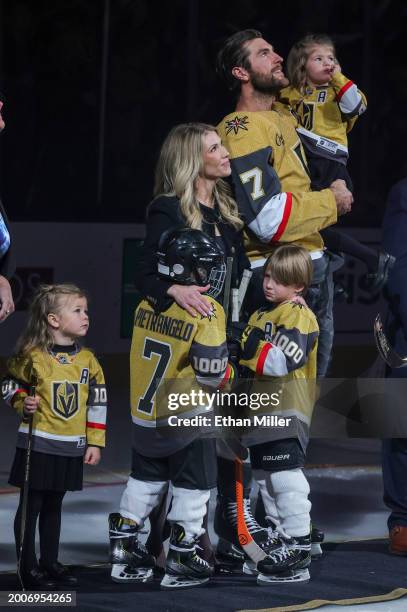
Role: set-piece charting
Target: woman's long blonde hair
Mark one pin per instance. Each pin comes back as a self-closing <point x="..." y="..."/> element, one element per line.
<point x="47" y="299"/>
<point x="298" y="55"/>
<point x="178" y="167"/>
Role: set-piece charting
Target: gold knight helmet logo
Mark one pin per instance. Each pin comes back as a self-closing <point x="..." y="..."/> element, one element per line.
<point x="308" y="116"/>
<point x="65" y="396"/>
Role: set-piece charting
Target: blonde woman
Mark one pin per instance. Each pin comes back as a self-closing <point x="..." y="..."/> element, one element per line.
<point x="190" y="191"/>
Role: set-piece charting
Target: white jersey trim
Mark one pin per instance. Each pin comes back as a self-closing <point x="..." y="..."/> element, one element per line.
<point x="97" y="414"/>
<point x="350" y="100"/>
<point x="44" y="434"/>
<point x="275" y="363"/>
<point x="322" y="141"/>
<point x="269" y="219"/>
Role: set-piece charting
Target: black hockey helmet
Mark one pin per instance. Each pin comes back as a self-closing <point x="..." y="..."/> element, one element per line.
<point x="190" y="257"/>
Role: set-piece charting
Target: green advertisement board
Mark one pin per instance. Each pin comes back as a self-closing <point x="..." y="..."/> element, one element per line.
<point x="132" y="252"/>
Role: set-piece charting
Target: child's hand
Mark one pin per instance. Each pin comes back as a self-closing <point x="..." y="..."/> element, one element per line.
<point x="92" y="455"/>
<point x="31" y="404"/>
<point x="336" y="68"/>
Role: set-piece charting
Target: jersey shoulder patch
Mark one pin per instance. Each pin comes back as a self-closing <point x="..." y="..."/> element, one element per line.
<point x="236" y="123"/>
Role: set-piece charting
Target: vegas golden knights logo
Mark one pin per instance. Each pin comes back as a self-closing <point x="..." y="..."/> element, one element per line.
<point x="307" y="120"/>
<point x="65" y="398"/>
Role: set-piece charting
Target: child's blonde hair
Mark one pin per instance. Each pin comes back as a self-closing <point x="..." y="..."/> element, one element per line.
<point x="298" y="55"/>
<point x="47" y="299"/>
<point x="290" y="264"/>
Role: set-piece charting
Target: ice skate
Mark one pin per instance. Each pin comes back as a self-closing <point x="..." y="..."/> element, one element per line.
<point x="184" y="568"/>
<point x="225" y="525"/>
<point x="229" y="558"/>
<point x="289" y="563"/>
<point x="129" y="558"/>
<point x="317" y="537"/>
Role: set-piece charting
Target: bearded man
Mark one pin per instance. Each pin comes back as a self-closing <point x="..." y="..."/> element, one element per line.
<point x="270" y="175"/>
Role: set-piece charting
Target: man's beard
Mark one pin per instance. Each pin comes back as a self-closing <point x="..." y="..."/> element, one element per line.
<point x="269" y="85"/>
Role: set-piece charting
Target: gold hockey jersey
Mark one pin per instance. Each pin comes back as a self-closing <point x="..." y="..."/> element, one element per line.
<point x="326" y="114"/>
<point x="72" y="409"/>
<point x="279" y="345"/>
<point x="175" y="350"/>
<point x="272" y="184"/>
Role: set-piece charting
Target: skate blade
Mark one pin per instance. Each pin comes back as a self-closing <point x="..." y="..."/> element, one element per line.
<point x="223" y="568"/>
<point x="250" y="568"/>
<point x="176" y="582"/>
<point x="316" y="550"/>
<point x="298" y="576"/>
<point x="119" y="574"/>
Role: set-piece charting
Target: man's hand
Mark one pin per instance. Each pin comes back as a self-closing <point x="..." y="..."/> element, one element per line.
<point x="6" y="299"/>
<point x="343" y="196"/>
<point x="190" y="299"/>
<point x="31" y="404"/>
<point x="92" y="455"/>
<point x="298" y="299"/>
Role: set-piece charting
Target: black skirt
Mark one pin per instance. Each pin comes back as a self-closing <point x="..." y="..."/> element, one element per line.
<point x="48" y="472"/>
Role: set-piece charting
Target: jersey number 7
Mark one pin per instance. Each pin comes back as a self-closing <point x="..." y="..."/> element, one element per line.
<point x="256" y="175"/>
<point x="163" y="352"/>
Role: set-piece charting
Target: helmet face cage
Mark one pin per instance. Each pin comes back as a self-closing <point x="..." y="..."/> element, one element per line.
<point x="190" y="257"/>
<point x="216" y="279"/>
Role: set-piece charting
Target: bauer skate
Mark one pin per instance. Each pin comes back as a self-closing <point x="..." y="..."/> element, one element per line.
<point x="184" y="568"/>
<point x="129" y="558"/>
<point x="288" y="563"/>
<point x="229" y="558"/>
<point x="225" y="524"/>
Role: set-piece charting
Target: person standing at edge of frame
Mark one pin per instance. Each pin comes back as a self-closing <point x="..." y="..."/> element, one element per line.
<point x="394" y="450"/>
<point x="7" y="263"/>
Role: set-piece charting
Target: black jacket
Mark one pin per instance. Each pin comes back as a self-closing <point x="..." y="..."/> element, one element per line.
<point x="395" y="243"/>
<point x="165" y="213"/>
<point x="7" y="262"/>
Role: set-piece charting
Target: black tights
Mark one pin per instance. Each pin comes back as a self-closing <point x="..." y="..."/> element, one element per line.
<point x="44" y="506"/>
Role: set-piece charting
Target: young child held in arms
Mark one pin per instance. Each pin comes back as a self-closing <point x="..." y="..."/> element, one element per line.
<point x="327" y="104"/>
<point x="281" y="342"/>
<point x="69" y="417"/>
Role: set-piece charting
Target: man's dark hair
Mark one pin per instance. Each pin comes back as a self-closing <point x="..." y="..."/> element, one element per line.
<point x="234" y="53"/>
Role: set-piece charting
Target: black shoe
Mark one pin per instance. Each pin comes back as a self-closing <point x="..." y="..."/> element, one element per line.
<point x="37" y="579"/>
<point x="60" y="574"/>
<point x="377" y="280"/>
